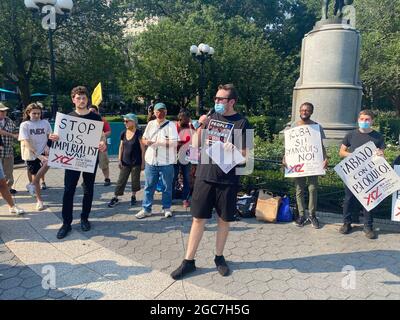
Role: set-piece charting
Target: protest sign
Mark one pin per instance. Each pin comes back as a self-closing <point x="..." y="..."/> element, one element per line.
<point x="303" y="151"/>
<point x="78" y="146"/>
<point x="226" y="156"/>
<point x="218" y="131"/>
<point x="368" y="176"/>
<point x="396" y="199"/>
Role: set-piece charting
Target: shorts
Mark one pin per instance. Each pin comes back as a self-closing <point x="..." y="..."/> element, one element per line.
<point x="103" y="160"/>
<point x="34" y="166"/>
<point x="2" y="176"/>
<point x="209" y="195"/>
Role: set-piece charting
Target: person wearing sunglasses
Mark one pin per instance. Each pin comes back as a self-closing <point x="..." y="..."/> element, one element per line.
<point x="213" y="188"/>
<point x="130" y="159"/>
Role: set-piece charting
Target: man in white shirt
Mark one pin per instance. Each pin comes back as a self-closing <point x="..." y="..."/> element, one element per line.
<point x="161" y="139"/>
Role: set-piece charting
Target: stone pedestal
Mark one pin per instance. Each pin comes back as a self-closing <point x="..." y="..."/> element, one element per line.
<point x="329" y="77"/>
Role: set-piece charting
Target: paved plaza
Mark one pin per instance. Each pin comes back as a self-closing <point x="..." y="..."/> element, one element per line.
<point x="125" y="258"/>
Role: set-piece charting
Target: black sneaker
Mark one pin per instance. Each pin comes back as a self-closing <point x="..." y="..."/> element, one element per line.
<point x="345" y="228"/>
<point x="300" y="221"/>
<point x="43" y="186"/>
<point x="63" y="232"/>
<point x="13" y="191"/>
<point x="133" y="200"/>
<point x="369" y="232"/>
<point x="222" y="266"/>
<point x="186" y="267"/>
<point x="107" y="182"/>
<point x="85" y="225"/>
<point x="314" y="222"/>
<point x="114" y="201"/>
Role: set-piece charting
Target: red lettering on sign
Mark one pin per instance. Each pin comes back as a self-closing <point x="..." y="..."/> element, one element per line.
<point x="374" y="195"/>
<point x="63" y="159"/>
<point x="296" y="168"/>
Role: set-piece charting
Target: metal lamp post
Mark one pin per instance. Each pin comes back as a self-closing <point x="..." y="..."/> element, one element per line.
<point x="48" y="11"/>
<point x="201" y="53"/>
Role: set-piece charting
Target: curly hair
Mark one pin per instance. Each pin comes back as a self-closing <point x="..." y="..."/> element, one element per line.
<point x="29" y="108"/>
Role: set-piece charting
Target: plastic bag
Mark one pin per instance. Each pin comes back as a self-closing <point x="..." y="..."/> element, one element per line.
<point x="285" y="213"/>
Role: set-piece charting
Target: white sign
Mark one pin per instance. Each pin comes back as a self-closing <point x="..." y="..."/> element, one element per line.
<point x="78" y="146"/>
<point x="396" y="199"/>
<point x="369" y="177"/>
<point x="303" y="152"/>
<point x="225" y="155"/>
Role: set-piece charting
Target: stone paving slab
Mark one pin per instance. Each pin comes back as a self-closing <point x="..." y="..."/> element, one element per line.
<point x="269" y="261"/>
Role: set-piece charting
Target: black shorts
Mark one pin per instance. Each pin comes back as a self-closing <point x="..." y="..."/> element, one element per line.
<point x="34" y="166"/>
<point x="209" y="195"/>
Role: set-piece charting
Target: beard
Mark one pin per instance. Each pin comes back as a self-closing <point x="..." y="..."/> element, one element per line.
<point x="305" y="118"/>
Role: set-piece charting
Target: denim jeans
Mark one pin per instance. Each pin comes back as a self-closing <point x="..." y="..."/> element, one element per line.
<point x="152" y="174"/>
<point x="350" y="201"/>
<point x="186" y="177"/>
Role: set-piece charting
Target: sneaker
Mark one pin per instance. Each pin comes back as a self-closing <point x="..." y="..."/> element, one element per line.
<point x="133" y="200"/>
<point x="369" y="233"/>
<point x="85" y="225"/>
<point x="107" y="182"/>
<point x="43" y="186"/>
<point x="186" y="203"/>
<point x="345" y="228"/>
<point x="186" y="267"/>
<point x="63" y="232"/>
<point x="18" y="211"/>
<point x="114" y="201"/>
<point x="142" y="214"/>
<point x="40" y="206"/>
<point x="300" y="221"/>
<point x="31" y="189"/>
<point x="314" y="222"/>
<point x="222" y="266"/>
<point x="167" y="213"/>
<point x="13" y="191"/>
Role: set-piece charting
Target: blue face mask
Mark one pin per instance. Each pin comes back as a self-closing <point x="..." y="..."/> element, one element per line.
<point x="219" y="108"/>
<point x="364" y="125"/>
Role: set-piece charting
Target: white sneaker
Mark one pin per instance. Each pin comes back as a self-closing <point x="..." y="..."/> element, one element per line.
<point x="142" y="214"/>
<point x="17" y="210"/>
<point x="31" y="189"/>
<point x="40" y="206"/>
<point x="167" y="213"/>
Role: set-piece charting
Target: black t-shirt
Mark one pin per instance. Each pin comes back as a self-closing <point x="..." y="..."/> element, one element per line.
<point x="210" y="172"/>
<point x="89" y="116"/>
<point x="131" y="152"/>
<point x="356" y="138"/>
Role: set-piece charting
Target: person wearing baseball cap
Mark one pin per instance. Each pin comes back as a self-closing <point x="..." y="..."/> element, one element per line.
<point x="130" y="159"/>
<point x="161" y="139"/>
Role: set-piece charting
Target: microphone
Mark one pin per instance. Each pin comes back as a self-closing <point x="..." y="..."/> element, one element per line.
<point x="209" y="113"/>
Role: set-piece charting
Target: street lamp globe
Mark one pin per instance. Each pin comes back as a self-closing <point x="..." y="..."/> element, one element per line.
<point x="206" y="49"/>
<point x="212" y="51"/>
<point x="193" y="49"/>
<point x="45" y="2"/>
<point x="30" y="4"/>
<point x="65" y="5"/>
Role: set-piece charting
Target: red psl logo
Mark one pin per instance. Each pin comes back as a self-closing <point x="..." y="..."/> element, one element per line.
<point x="373" y="196"/>
<point x="296" y="168"/>
<point x="398" y="213"/>
<point x="63" y="159"/>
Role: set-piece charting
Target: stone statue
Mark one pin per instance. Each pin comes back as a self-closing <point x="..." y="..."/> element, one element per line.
<point x="338" y="8"/>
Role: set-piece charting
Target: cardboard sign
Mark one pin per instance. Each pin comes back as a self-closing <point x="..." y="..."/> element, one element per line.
<point x="78" y="146"/>
<point x="303" y="151"/>
<point x="396" y="199"/>
<point x="369" y="177"/>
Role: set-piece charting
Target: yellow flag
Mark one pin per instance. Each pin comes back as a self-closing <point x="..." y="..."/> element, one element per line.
<point x="97" y="95"/>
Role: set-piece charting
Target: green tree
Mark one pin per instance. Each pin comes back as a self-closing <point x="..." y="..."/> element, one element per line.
<point x="379" y="23"/>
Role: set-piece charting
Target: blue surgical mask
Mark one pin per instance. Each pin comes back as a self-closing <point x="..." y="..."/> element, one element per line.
<point x="219" y="108"/>
<point x="364" y="125"/>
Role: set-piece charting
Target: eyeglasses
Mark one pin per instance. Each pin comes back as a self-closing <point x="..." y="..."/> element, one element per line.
<point x="36" y="114"/>
<point x="221" y="98"/>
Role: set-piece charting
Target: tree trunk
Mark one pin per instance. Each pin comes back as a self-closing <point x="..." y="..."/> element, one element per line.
<point x="25" y="92"/>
